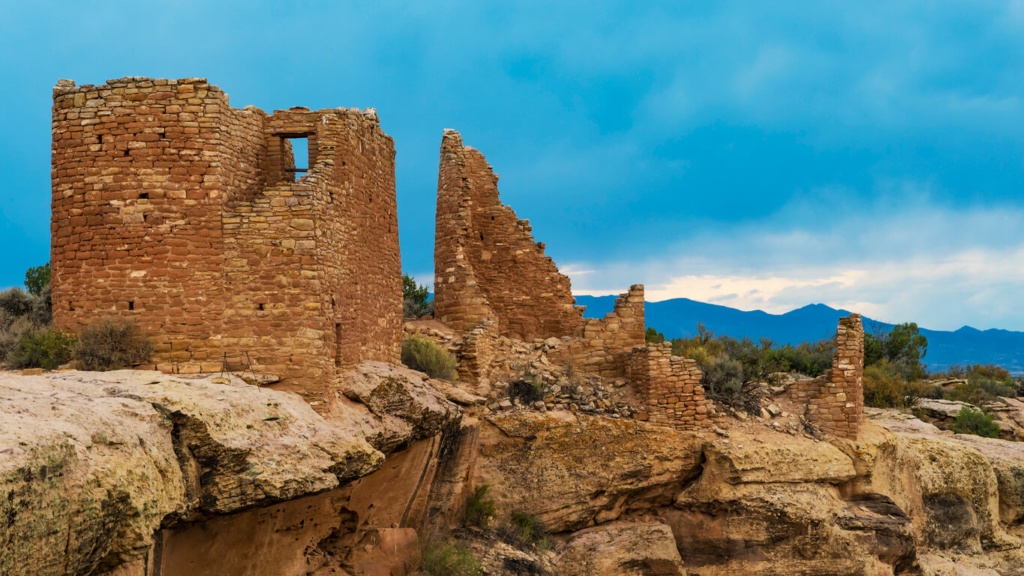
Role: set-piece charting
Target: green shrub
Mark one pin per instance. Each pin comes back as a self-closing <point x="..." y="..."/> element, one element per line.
<point x="527" y="390"/>
<point x="980" y="389"/>
<point x="971" y="421"/>
<point x="442" y="557"/>
<point x="995" y="388"/>
<point x="724" y="376"/>
<point x="970" y="393"/>
<point x="11" y="330"/>
<point x="41" y="348"/>
<point x="991" y="372"/>
<point x="15" y="302"/>
<point x="652" y="336"/>
<point x="414" y="298"/>
<point x="426" y="356"/>
<point x="525" y="530"/>
<point x="112" y="345"/>
<point x="37" y="278"/>
<point x="480" y="510"/>
<point x="884" y="387"/>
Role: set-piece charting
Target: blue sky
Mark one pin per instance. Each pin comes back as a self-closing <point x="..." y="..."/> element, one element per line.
<point x="864" y="155"/>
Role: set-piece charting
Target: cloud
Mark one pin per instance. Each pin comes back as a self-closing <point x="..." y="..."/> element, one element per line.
<point x="943" y="267"/>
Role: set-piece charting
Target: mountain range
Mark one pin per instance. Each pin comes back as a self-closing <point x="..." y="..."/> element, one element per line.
<point x="678" y="317"/>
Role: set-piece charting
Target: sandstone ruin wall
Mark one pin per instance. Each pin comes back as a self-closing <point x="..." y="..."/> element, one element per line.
<point x="670" y="385"/>
<point x="487" y="264"/>
<point x="183" y="214"/>
<point x="835" y="401"/>
<point x="607" y="342"/>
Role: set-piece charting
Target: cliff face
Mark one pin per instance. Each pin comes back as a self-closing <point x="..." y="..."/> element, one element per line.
<point x="137" y="473"/>
<point x="137" y="470"/>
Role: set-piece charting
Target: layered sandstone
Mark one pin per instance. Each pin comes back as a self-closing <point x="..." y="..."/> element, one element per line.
<point x="129" y="469"/>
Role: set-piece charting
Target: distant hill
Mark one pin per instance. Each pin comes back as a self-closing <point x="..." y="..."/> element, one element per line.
<point x="678" y="318"/>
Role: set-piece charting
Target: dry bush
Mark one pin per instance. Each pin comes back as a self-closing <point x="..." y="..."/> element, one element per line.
<point x="426" y="356"/>
<point x="41" y="348"/>
<point x="112" y="345"/>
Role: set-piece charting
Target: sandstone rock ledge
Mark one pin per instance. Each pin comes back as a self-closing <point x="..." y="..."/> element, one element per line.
<point x="93" y="465"/>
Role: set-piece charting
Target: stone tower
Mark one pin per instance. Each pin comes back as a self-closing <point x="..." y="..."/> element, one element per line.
<point x="184" y="214"/>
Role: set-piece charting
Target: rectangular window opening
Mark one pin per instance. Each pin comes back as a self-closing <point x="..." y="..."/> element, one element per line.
<point x="300" y="153"/>
<point x="131" y="304"/>
<point x="143" y="195"/>
<point x="337" y="344"/>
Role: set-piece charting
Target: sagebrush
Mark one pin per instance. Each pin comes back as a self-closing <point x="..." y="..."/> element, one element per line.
<point x="426" y="356"/>
<point x="112" y="345"/>
<point x="440" y="556"/>
<point x="971" y="421"/>
<point x="41" y="348"/>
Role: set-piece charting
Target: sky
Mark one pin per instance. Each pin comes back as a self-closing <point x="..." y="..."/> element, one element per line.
<point x="865" y="155"/>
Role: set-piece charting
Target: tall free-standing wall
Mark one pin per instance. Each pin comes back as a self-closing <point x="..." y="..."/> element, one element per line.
<point x="835" y="401"/>
<point x="181" y="213"/>
<point x="487" y="265"/>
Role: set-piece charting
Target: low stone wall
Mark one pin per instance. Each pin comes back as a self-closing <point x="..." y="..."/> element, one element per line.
<point x="835" y="401"/>
<point x="607" y="341"/>
<point x="670" y="385"/>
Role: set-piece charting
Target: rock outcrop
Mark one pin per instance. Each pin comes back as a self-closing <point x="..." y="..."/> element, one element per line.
<point x="97" y="467"/>
<point x="573" y="471"/>
<point x="392" y="405"/>
<point x="621" y="549"/>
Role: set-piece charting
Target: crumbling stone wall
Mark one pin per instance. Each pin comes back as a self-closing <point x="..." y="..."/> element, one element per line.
<point x="670" y="385"/>
<point x="835" y="401"/>
<point x="607" y="342"/>
<point x="175" y="210"/>
<point x="487" y="264"/>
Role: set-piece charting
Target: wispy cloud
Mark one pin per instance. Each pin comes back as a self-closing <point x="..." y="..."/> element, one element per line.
<point x="940" y="267"/>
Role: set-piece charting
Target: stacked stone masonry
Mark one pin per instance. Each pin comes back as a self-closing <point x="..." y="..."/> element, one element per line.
<point x="835" y="401"/>
<point x="670" y="386"/>
<point x="607" y="342"/>
<point x="183" y="214"/>
<point x="487" y="264"/>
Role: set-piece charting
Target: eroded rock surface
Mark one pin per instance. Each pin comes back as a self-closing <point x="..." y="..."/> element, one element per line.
<point x="395" y="405"/>
<point x="621" y="549"/>
<point x="94" y="464"/>
<point x="572" y="470"/>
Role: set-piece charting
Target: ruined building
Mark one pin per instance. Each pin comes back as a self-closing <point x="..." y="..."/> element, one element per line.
<point x="487" y="265"/>
<point x="184" y="214"/>
<point x="835" y="401"/>
<point x="492" y="277"/>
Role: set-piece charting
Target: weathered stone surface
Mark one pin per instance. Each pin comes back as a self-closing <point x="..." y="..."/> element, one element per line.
<point x="621" y="549"/>
<point x="403" y="405"/>
<point x="772" y="505"/>
<point x="945" y="485"/>
<point x="94" y="463"/>
<point x="573" y="470"/>
<point x="777" y="458"/>
<point x="365" y="528"/>
<point x="938" y="408"/>
<point x="1007" y="461"/>
<point x="498" y="558"/>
